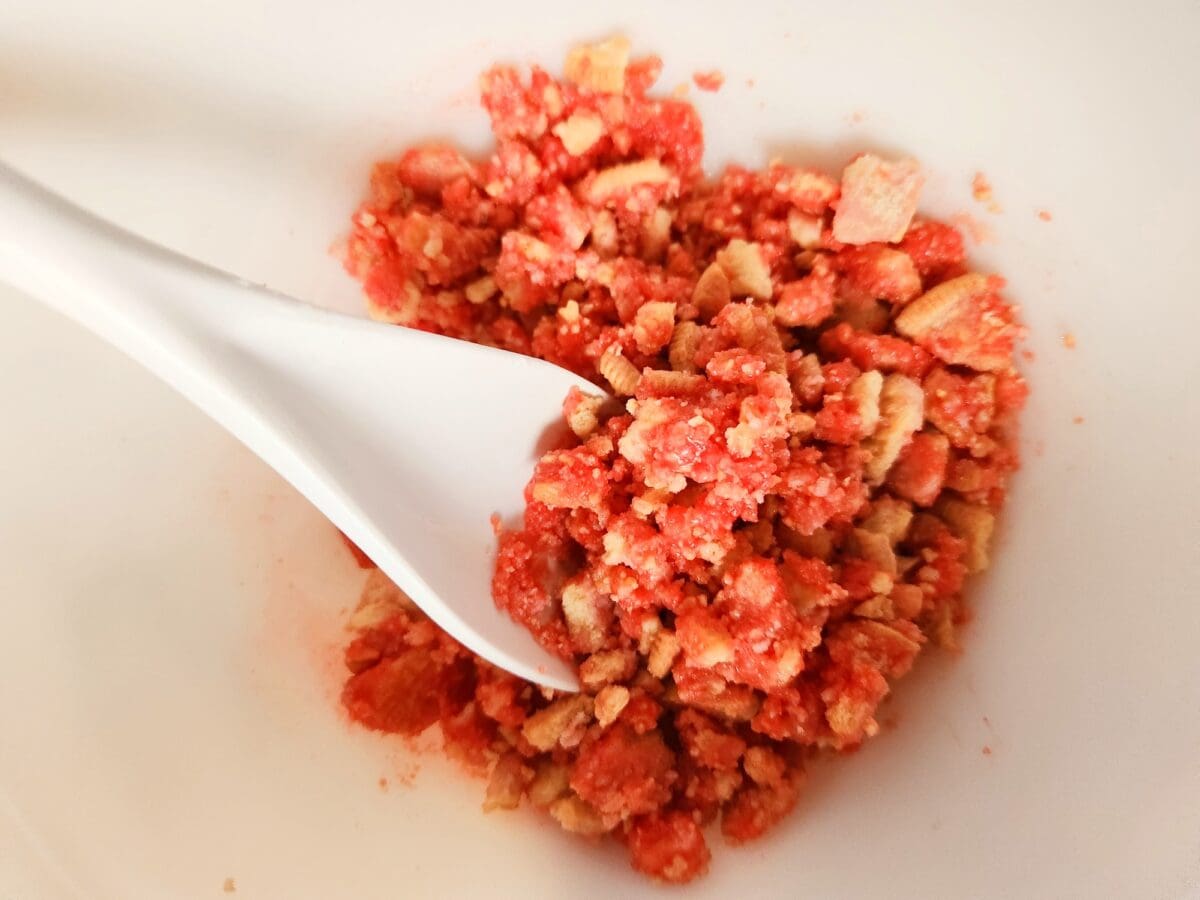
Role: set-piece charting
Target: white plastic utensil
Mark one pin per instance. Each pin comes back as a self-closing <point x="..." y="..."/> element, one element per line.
<point x="409" y="442"/>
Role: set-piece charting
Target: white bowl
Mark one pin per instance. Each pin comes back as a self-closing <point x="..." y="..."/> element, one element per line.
<point x="171" y="610"/>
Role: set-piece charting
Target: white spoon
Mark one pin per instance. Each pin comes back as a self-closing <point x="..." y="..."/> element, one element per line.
<point x="407" y="441"/>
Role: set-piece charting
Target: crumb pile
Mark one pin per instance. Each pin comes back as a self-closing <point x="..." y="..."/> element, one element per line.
<point x="813" y="418"/>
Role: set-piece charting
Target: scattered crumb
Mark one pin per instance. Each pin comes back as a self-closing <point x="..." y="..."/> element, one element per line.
<point x="1044" y="215"/>
<point x="987" y="721"/>
<point x="1078" y="420"/>
<point x="987" y="751"/>
<point x="856" y="118"/>
<point x="409" y="778"/>
<point x="229" y="886"/>
<point x="981" y="190"/>
<point x="1028" y="355"/>
<point x="891" y="723"/>
<point x="680" y="90"/>
<point x="710" y="80"/>
<point x="1068" y="341"/>
<point x="749" y="82"/>
<point x="383" y="783"/>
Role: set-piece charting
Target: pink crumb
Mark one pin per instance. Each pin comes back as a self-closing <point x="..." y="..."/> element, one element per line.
<point x="1078" y="420"/>
<point x="710" y="80"/>
<point x="987" y="751"/>
<point x="1044" y="215"/>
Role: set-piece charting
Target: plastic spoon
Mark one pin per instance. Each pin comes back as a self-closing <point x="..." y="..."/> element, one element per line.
<point x="409" y="442"/>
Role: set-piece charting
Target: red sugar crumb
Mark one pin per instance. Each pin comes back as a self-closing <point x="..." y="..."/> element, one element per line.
<point x="711" y="80"/>
<point x="364" y="561"/>
<point x="987" y="751"/>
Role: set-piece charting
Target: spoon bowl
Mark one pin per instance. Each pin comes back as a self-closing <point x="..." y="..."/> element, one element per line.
<point x="408" y="442"/>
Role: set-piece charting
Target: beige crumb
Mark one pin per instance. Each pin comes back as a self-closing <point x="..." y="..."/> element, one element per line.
<point x="981" y="190"/>
<point x="680" y="90"/>
<point x="229" y="886"/>
<point x="1068" y="341"/>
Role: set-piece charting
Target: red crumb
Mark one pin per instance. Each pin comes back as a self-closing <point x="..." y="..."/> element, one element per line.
<point x="710" y="80"/>
<point x="364" y="561"/>
<point x="229" y="886"/>
<point x="816" y="421"/>
<point x="1044" y="215"/>
<point x="987" y="751"/>
<point x="1068" y="340"/>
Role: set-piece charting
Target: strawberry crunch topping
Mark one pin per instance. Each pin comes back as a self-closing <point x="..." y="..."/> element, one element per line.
<point x="812" y="422"/>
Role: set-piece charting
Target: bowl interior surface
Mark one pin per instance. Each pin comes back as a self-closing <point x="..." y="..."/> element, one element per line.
<point x="172" y="610"/>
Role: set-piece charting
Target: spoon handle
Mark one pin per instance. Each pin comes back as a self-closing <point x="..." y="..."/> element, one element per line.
<point x="169" y="312"/>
